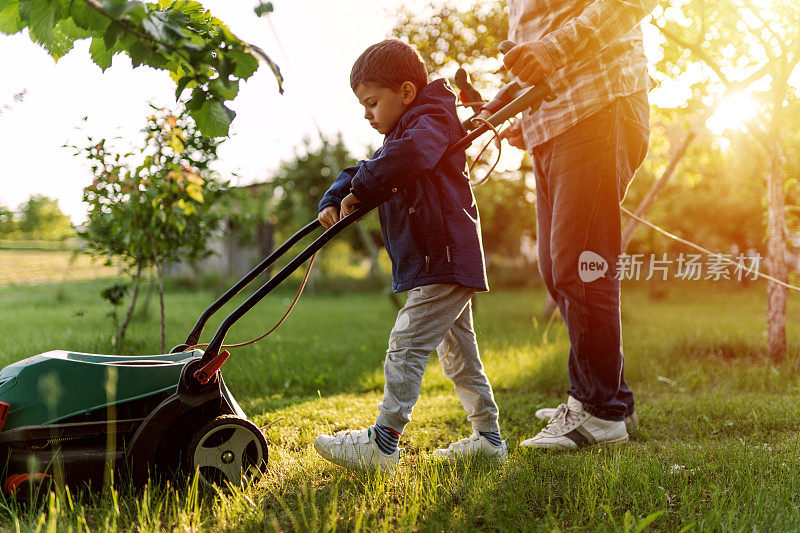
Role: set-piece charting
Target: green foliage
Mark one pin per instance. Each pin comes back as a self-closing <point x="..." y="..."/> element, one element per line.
<point x="157" y="212"/>
<point x="300" y="183"/>
<point x="179" y="36"/>
<point x="39" y="218"/>
<point x="162" y="209"/>
<point x="445" y="34"/>
<point x="248" y="209"/>
<point x="508" y="213"/>
<point x="727" y="181"/>
<point x="8" y="223"/>
<point x="727" y="41"/>
<point x="751" y="47"/>
<point x="263" y="8"/>
<point x="712" y="177"/>
<point x="115" y="293"/>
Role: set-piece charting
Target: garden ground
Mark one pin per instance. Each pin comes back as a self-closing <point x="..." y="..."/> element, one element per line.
<point x="718" y="448"/>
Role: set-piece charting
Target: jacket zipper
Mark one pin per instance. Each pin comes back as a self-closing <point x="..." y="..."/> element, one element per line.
<point x="419" y="238"/>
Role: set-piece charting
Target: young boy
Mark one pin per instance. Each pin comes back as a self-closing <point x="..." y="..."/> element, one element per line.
<point x="432" y="233"/>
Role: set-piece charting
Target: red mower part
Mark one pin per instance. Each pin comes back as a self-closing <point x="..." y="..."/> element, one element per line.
<point x="203" y="375"/>
<point x="13" y="482"/>
<point x="4" y="407"/>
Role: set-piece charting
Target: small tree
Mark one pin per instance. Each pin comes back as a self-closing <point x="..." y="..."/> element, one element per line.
<point x="8" y="222"/>
<point x="158" y="211"/>
<point x="41" y="218"/>
<point x="752" y="45"/>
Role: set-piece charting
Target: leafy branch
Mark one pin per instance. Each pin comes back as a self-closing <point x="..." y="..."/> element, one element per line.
<point x="178" y="36"/>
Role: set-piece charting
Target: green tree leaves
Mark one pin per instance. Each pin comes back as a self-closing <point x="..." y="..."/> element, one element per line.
<point x="10" y="21"/>
<point x="178" y="36"/>
<point x="162" y="209"/>
<point x="39" y="218"/>
<point x="213" y="118"/>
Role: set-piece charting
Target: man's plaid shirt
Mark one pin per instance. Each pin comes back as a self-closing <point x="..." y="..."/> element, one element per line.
<point x="598" y="52"/>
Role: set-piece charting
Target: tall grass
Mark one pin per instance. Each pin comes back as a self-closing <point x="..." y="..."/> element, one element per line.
<point x="718" y="448"/>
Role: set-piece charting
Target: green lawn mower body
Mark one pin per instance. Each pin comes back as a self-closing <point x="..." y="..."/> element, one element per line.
<point x="52" y="387"/>
<point x="81" y="416"/>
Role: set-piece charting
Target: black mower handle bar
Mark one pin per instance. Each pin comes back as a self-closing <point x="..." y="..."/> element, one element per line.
<point x="530" y="98"/>
<point x="219" y="337"/>
<point x="194" y="336"/>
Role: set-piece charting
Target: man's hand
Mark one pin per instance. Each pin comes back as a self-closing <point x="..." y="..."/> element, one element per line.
<point x="529" y="62"/>
<point x="328" y="216"/>
<point x="513" y="134"/>
<point x="349" y="204"/>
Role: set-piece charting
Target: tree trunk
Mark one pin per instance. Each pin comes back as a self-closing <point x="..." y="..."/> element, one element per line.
<point x="129" y="314"/>
<point x="161" y="304"/>
<point x="265" y="234"/>
<point x="655" y="190"/>
<point x="144" y="309"/>
<point x="372" y="250"/>
<point x="776" y="246"/>
<point x="374" y="267"/>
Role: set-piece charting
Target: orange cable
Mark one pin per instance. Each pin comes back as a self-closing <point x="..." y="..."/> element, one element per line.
<point x="288" y="311"/>
<point x="499" y="152"/>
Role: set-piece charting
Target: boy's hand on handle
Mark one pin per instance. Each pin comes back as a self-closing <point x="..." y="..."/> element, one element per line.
<point x="349" y="204"/>
<point x="328" y="216"/>
<point x="530" y="62"/>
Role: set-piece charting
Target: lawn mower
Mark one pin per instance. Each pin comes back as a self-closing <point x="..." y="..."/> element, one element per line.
<point x="79" y="418"/>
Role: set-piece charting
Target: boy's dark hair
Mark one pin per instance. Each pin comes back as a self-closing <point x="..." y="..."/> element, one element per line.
<point x="389" y="63"/>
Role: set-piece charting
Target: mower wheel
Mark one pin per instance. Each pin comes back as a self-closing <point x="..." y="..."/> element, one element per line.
<point x="228" y="450"/>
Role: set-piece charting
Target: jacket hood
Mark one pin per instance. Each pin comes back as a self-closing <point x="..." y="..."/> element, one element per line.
<point x="436" y="93"/>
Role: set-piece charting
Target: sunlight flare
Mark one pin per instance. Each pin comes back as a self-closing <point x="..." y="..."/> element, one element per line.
<point x="733" y="113"/>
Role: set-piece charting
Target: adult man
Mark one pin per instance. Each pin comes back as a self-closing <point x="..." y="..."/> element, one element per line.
<point x="586" y="147"/>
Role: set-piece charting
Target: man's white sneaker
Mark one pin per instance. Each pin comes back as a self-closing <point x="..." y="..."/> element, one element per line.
<point x="476" y="445"/>
<point x="631" y="421"/>
<point x="356" y="450"/>
<point x="571" y="427"/>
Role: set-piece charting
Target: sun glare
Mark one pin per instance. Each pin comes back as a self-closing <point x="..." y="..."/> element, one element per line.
<point x="732" y="114"/>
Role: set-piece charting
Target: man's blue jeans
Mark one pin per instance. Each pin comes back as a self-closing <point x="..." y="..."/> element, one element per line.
<point x="581" y="178"/>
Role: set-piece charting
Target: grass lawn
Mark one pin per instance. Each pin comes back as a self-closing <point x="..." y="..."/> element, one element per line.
<point x="718" y="448"/>
<point x="28" y="266"/>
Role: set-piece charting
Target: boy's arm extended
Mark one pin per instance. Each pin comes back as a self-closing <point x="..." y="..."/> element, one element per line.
<point x="340" y="188"/>
<point x="404" y="159"/>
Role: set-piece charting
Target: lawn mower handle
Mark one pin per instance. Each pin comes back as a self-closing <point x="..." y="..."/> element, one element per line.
<point x="509" y="101"/>
<point x="194" y="336"/>
<point x="219" y="337"/>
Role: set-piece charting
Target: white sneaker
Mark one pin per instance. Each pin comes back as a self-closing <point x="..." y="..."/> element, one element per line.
<point x="356" y="450"/>
<point x="475" y="445"/>
<point x="571" y="427"/>
<point x="631" y="421"/>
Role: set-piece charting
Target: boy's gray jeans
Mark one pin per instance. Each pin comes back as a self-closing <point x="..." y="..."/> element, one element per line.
<point x="436" y="317"/>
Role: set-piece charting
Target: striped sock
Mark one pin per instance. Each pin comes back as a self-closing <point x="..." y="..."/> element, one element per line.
<point x="492" y="436"/>
<point x="386" y="438"/>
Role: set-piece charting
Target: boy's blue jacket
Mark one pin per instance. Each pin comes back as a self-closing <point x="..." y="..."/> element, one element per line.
<point x="429" y="217"/>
